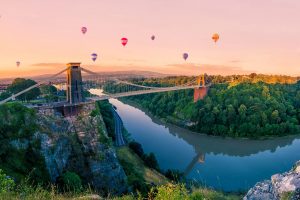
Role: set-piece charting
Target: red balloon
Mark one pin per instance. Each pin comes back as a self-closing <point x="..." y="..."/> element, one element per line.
<point x="124" y="41"/>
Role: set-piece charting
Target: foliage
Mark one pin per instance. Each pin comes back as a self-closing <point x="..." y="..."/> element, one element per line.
<point x="16" y="121"/>
<point x="140" y="177"/>
<point x="72" y="182"/>
<point x="17" y="124"/>
<point x="134" y="173"/>
<point x="28" y="191"/>
<point x="4" y="95"/>
<point x="137" y="148"/>
<point x="170" y="191"/>
<point x="151" y="161"/>
<point x="247" y="109"/>
<point x="20" y="84"/>
<point x="105" y="108"/>
<point x="210" y="194"/>
<point x="6" y="183"/>
<point x="49" y="92"/>
<point x="174" y="175"/>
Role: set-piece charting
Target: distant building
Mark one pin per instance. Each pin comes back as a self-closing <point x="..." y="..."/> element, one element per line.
<point x="3" y="88"/>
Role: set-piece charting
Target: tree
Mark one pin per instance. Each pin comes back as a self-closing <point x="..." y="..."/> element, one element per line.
<point x="137" y="148"/>
<point x="20" y="84"/>
<point x="151" y="161"/>
<point x="49" y="92"/>
<point x="275" y="116"/>
<point x="242" y="110"/>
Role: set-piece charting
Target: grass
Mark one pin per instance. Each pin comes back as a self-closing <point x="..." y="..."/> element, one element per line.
<point x="128" y="158"/>
<point x="209" y="194"/>
<point x="27" y="192"/>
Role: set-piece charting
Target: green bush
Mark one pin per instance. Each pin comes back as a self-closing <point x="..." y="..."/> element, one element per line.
<point x="72" y="182"/>
<point x="174" y="175"/>
<point x="151" y="161"/>
<point x="137" y="148"/>
<point x="6" y="183"/>
<point x="170" y="191"/>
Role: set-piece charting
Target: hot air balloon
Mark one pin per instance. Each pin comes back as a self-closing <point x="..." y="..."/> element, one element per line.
<point x="152" y="37"/>
<point x="185" y="56"/>
<point x="83" y="29"/>
<point x="124" y="41"/>
<point x="94" y="56"/>
<point x="215" y="37"/>
<point x="18" y="63"/>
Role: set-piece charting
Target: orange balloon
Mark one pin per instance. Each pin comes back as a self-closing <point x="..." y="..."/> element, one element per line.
<point x="215" y="37"/>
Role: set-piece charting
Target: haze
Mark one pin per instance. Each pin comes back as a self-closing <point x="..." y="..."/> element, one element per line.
<point x="255" y="36"/>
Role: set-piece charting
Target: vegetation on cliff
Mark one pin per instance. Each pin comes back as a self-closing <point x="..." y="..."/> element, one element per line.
<point x="19" y="156"/>
<point x="27" y="191"/>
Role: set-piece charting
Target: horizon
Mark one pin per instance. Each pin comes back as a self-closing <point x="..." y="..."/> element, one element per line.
<point x="44" y="36"/>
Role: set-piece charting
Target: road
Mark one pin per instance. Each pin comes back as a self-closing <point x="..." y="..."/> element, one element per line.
<point x="118" y="129"/>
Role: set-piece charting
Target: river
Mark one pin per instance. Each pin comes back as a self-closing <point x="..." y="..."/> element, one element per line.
<point x="222" y="163"/>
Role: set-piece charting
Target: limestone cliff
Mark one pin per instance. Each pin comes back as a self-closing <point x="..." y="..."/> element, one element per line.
<point x="80" y="144"/>
<point x="280" y="185"/>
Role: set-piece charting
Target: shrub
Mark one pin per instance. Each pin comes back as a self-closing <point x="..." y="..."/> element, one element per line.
<point x="72" y="182"/>
<point x="137" y="148"/>
<point x="6" y="183"/>
<point x="151" y="161"/>
<point x="174" y="175"/>
<point x="170" y="191"/>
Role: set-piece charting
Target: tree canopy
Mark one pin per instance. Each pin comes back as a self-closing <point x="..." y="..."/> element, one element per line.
<point x="240" y="108"/>
<point x="20" y="84"/>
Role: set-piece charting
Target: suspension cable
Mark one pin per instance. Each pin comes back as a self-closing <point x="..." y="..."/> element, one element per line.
<point x="31" y="87"/>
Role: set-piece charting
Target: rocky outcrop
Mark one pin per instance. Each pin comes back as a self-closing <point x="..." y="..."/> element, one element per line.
<point x="105" y="173"/>
<point x="279" y="186"/>
<point x="73" y="144"/>
<point x="56" y="153"/>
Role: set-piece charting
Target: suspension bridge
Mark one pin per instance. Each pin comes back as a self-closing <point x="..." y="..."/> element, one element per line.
<point x="75" y="88"/>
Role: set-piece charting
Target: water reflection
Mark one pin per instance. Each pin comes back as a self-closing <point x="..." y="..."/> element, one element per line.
<point x="224" y="163"/>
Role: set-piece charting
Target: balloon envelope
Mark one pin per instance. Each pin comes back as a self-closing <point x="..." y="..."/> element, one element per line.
<point x="83" y="29"/>
<point x="94" y="56"/>
<point x="18" y="63"/>
<point x="215" y="37"/>
<point x="152" y="37"/>
<point x="124" y="41"/>
<point x="185" y="56"/>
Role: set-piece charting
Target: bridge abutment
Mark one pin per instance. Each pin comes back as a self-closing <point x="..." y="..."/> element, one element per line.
<point x="201" y="91"/>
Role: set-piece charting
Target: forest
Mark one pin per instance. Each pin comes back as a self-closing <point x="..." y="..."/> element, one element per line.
<point x="253" y="106"/>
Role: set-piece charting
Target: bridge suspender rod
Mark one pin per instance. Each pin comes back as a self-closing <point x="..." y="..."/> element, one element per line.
<point x="31" y="87"/>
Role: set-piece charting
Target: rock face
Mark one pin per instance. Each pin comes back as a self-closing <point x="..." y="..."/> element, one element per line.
<point x="56" y="153"/>
<point x="74" y="144"/>
<point x="278" y="186"/>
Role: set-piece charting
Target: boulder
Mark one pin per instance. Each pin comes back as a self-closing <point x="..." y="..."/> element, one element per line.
<point x="278" y="186"/>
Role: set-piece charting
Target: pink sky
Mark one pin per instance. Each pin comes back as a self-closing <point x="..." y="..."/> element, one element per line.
<point x="260" y="36"/>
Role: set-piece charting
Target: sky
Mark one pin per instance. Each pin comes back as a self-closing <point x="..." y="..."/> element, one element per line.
<point x="261" y="36"/>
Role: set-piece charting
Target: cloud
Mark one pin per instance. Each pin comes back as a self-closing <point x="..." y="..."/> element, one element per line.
<point x="49" y="65"/>
<point x="235" y="61"/>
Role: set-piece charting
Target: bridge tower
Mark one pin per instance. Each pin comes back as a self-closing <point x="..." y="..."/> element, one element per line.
<point x="201" y="91"/>
<point x="74" y="83"/>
